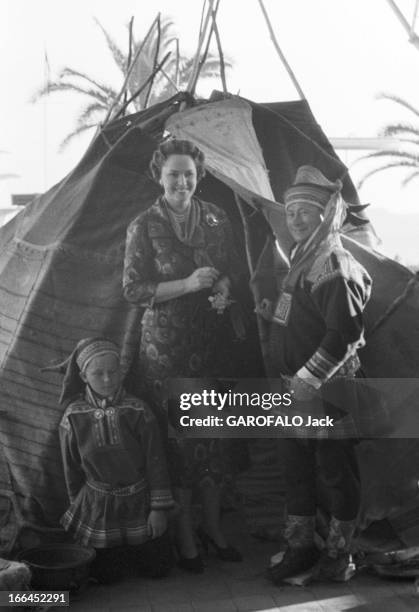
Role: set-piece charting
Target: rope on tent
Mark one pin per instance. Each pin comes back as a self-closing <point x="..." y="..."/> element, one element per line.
<point x="134" y="61"/>
<point x="280" y="53"/>
<point x="149" y="79"/>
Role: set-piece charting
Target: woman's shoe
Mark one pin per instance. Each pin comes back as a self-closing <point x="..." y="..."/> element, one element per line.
<point x="226" y="553"/>
<point x="195" y="565"/>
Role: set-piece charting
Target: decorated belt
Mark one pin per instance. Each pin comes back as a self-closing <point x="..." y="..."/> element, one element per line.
<point x="106" y="489"/>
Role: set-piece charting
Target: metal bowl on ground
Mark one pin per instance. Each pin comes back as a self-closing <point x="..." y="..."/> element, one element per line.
<point x="56" y="567"/>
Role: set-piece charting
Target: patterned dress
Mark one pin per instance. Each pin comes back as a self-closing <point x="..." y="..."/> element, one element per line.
<point x="182" y="337"/>
<point x="114" y="468"/>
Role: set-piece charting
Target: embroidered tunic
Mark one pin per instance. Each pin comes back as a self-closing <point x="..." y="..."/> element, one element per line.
<point x="114" y="468"/>
<point x="322" y="321"/>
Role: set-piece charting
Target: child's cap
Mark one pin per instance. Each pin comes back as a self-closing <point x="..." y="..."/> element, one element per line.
<point x="85" y="350"/>
<point x="88" y="348"/>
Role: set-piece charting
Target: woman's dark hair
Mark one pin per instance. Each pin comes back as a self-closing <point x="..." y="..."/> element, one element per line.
<point x="176" y="147"/>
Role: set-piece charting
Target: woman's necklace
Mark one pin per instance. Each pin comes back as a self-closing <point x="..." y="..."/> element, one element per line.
<point x="179" y="216"/>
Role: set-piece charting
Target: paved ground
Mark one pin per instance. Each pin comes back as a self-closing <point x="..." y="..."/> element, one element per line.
<point x="242" y="586"/>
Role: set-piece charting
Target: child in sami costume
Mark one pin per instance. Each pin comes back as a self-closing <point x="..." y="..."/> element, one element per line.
<point x="114" y="466"/>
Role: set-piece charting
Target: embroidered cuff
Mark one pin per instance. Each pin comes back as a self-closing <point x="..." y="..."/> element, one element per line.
<point x="322" y="365"/>
<point x="161" y="499"/>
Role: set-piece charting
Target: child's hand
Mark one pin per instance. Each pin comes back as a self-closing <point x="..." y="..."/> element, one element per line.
<point x="156" y="523"/>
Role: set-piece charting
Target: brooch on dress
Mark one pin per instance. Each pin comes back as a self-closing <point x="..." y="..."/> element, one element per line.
<point x="212" y="220"/>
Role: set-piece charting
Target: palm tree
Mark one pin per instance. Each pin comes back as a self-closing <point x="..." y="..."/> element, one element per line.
<point x="103" y="96"/>
<point x="406" y="155"/>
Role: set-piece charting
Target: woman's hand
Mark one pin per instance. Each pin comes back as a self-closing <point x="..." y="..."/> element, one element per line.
<point x="223" y="286"/>
<point x="156" y="523"/>
<point x="201" y="278"/>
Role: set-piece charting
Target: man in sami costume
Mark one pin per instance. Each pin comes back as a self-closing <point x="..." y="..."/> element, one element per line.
<point x="319" y="330"/>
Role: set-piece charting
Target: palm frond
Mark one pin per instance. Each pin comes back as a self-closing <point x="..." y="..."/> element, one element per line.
<point x="388" y="166"/>
<point x="61" y="87"/>
<point x="89" y="110"/>
<point x="413" y="141"/>
<point x="390" y="153"/>
<point x="166" y="38"/>
<point x="395" y="129"/>
<point x="410" y="178"/>
<point x="119" y="57"/>
<point x="76" y="132"/>
<point x="400" y="101"/>
<point x="159" y="43"/>
<point x="70" y="72"/>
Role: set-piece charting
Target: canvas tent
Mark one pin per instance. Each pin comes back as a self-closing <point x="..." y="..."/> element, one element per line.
<point x="60" y="280"/>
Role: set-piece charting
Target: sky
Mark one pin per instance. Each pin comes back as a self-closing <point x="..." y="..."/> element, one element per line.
<point x="343" y="53"/>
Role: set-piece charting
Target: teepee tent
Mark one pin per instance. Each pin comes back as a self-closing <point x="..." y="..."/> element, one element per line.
<point x="61" y="268"/>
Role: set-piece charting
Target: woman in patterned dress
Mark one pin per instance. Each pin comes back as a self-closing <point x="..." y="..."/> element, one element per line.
<point x="180" y="253"/>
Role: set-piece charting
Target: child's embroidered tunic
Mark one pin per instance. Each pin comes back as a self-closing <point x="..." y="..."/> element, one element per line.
<point x="115" y="470"/>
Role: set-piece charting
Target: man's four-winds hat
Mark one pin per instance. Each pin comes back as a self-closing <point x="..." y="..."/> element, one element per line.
<point x="310" y="186"/>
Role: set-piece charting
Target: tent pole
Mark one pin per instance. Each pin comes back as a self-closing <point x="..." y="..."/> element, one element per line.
<point x="144" y="85"/>
<point x="195" y="69"/>
<point x="415" y="14"/>
<point x="205" y="53"/>
<point x="131" y="25"/>
<point x="413" y="38"/>
<point x="281" y="55"/>
<point x="155" y="61"/>
<point x="220" y="50"/>
<point x="134" y="61"/>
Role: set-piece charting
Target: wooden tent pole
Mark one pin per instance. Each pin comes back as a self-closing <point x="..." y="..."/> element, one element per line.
<point x="144" y="85"/>
<point x="205" y="53"/>
<point x="413" y="38"/>
<point x="195" y="68"/>
<point x="177" y="64"/>
<point x="281" y="55"/>
<point x="134" y="61"/>
<point x="415" y="14"/>
<point x="220" y="50"/>
<point x="202" y="18"/>
<point x="155" y="61"/>
<point x="131" y="25"/>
